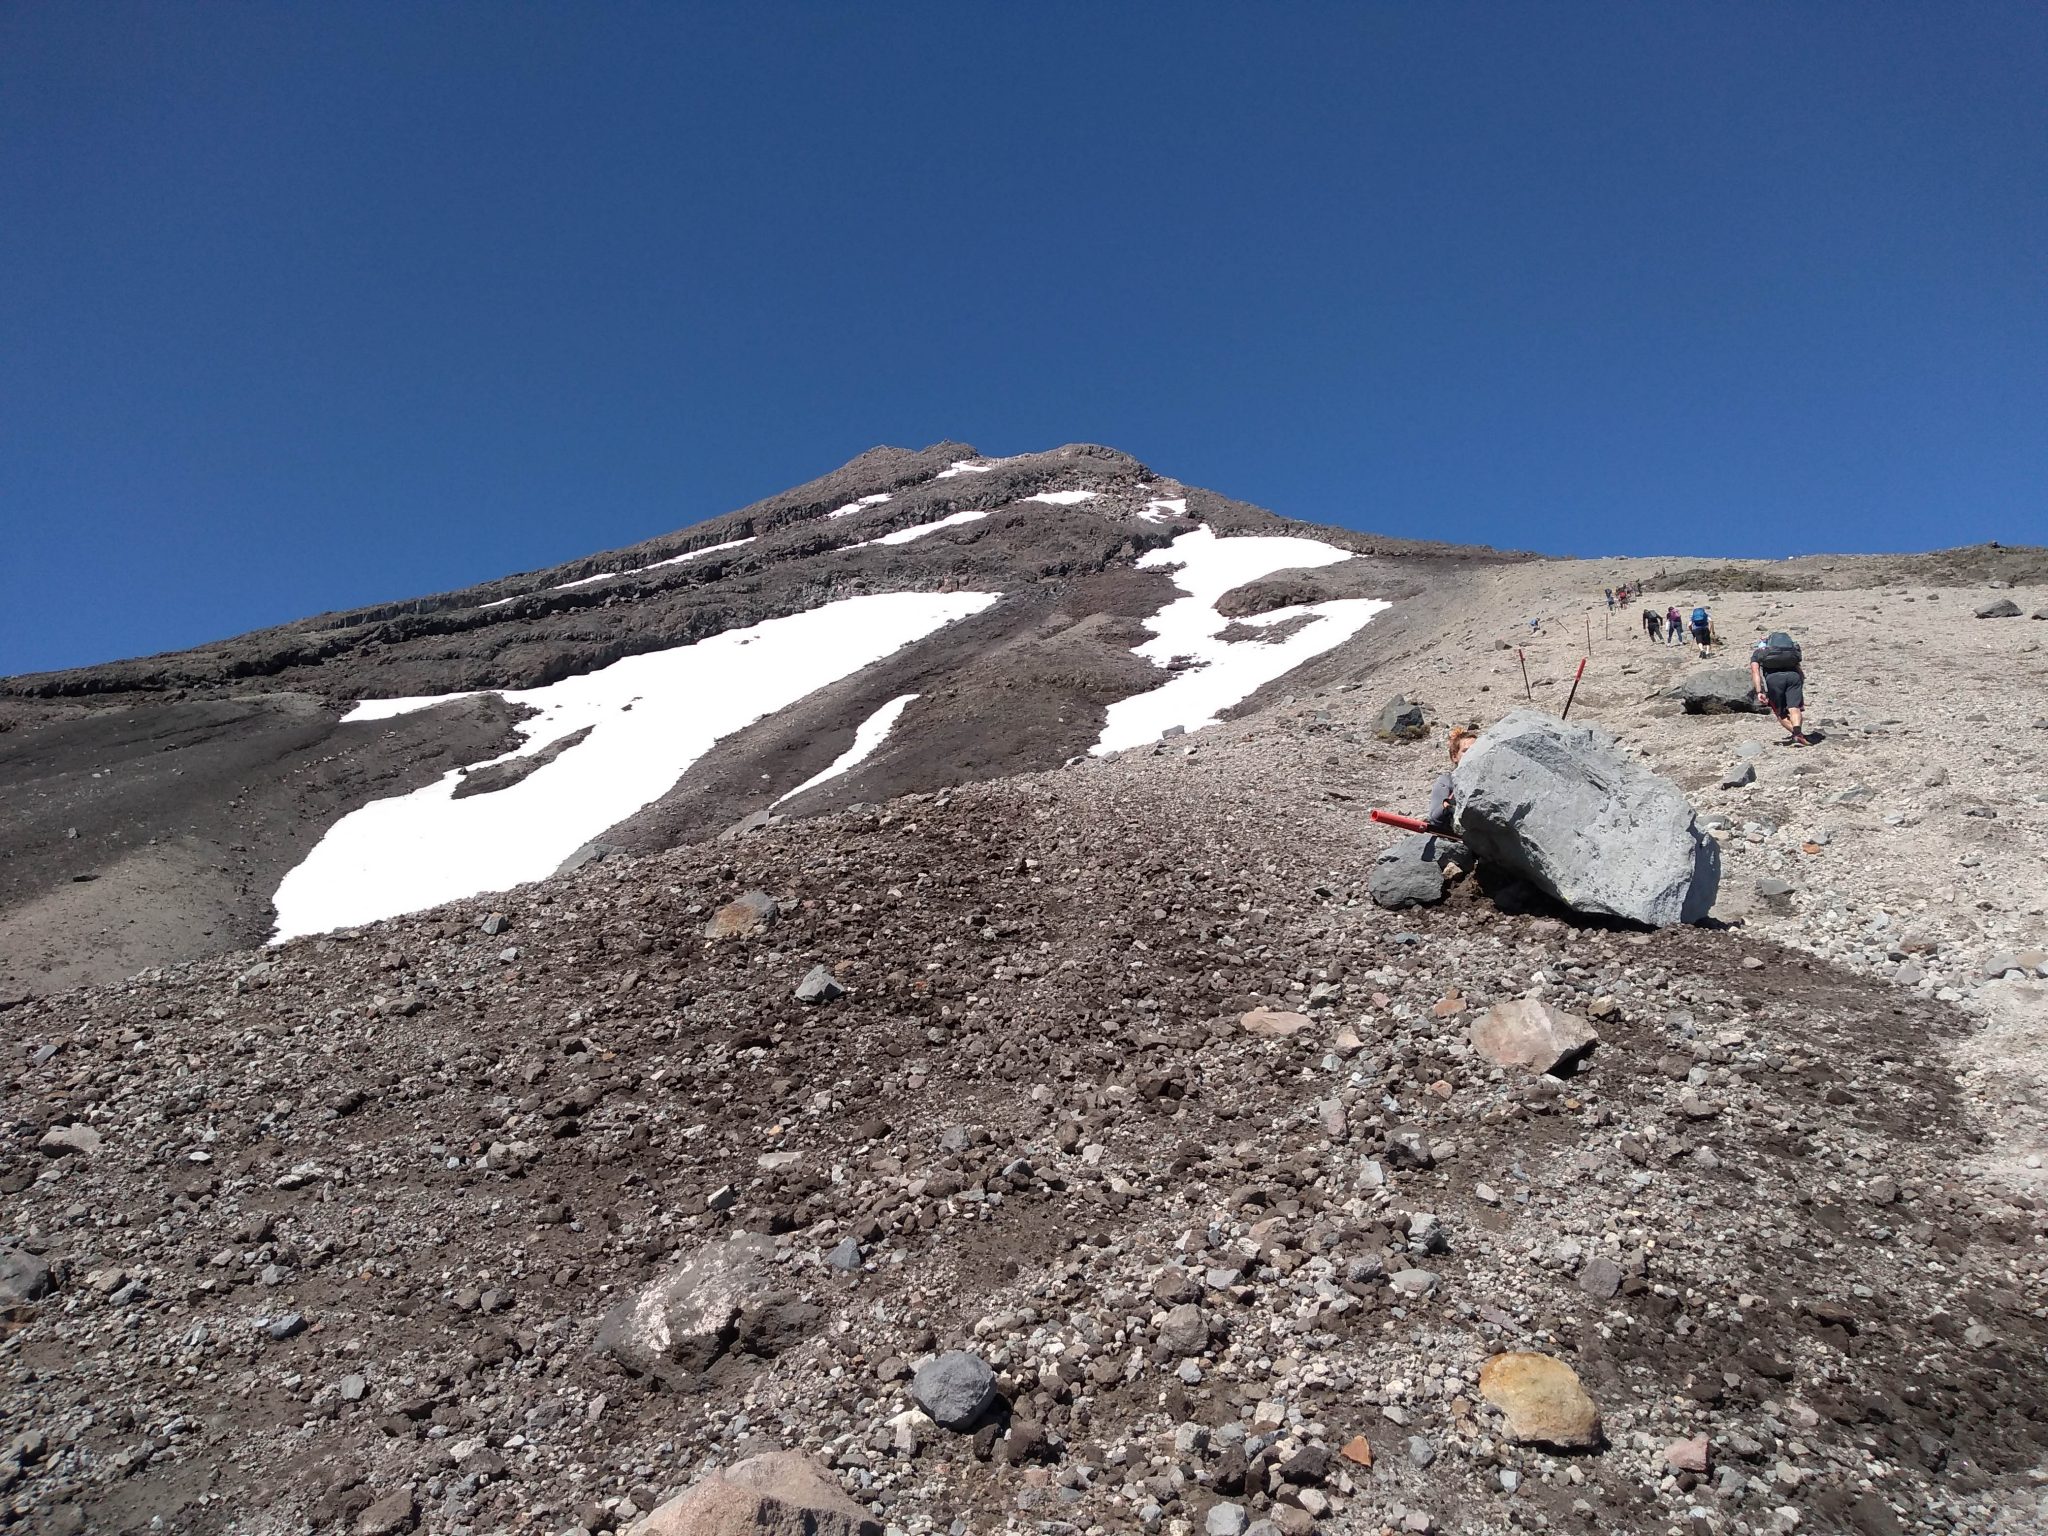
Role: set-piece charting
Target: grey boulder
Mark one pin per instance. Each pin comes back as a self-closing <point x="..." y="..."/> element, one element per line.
<point x="819" y="986"/>
<point x="722" y="1296"/>
<point x="2004" y="608"/>
<point x="23" y="1277"/>
<point x="1718" y="691"/>
<point x="1400" y="721"/>
<point x="954" y="1388"/>
<point x="1562" y="807"/>
<point x="1410" y="873"/>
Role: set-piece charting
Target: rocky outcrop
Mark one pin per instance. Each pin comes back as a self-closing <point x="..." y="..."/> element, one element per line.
<point x="1561" y="806"/>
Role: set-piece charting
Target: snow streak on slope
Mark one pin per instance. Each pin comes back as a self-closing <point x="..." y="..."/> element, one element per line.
<point x="1226" y="672"/>
<point x="905" y="535"/>
<point x="1063" y="498"/>
<point x="870" y="735"/>
<point x="584" y="581"/>
<point x="858" y="506"/>
<point x="651" y="717"/>
<point x="964" y="467"/>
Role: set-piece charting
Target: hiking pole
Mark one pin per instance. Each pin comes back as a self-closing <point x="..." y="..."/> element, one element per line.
<point x="1575" y="690"/>
<point x="1589" y="634"/>
<point x="1526" y="693"/>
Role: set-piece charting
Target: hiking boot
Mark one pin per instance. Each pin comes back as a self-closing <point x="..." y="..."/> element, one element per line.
<point x="1801" y="739"/>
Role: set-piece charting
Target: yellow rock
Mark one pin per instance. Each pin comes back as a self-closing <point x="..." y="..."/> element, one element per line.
<point x="1541" y="1399"/>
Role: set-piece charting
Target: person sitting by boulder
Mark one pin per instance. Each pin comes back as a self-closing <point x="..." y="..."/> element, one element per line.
<point x="1437" y="814"/>
<point x="1777" y="669"/>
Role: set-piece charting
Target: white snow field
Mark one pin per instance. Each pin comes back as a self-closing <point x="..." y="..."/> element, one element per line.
<point x="651" y="717"/>
<point x="1160" y="511"/>
<point x="682" y="559"/>
<point x="870" y="734"/>
<point x="1226" y="672"/>
<point x="1062" y="498"/>
<point x="905" y="535"/>
<point x="964" y="467"/>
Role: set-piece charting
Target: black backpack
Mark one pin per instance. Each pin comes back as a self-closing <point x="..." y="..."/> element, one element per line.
<point x="1777" y="652"/>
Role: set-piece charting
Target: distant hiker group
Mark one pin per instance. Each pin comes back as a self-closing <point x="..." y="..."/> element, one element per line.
<point x="1672" y="627"/>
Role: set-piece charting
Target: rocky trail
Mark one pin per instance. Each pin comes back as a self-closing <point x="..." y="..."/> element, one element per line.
<point x="1131" y="1095"/>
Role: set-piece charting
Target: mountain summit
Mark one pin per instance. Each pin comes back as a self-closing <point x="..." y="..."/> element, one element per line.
<point x="909" y="621"/>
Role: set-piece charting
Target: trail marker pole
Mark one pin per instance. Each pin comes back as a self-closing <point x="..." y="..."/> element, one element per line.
<point x="1566" y="715"/>
<point x="1589" y="634"/>
<point x="1526" y="691"/>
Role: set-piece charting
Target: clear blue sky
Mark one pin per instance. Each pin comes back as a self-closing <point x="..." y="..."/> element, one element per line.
<point x="304" y="306"/>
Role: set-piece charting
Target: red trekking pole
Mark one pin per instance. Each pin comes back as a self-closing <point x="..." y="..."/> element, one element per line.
<point x="1566" y="714"/>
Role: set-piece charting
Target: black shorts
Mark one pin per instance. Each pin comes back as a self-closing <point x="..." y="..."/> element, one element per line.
<point x="1786" y="690"/>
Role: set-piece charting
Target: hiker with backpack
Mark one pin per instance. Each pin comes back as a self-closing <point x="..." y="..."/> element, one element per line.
<point x="1777" y="669"/>
<point x="1703" y="631"/>
<point x="1674" y="628"/>
<point x="1653" y="625"/>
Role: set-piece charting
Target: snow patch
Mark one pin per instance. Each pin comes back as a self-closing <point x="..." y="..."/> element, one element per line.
<point x="651" y="717"/>
<point x="857" y="506"/>
<point x="869" y="735"/>
<point x="906" y="535"/>
<point x="1063" y="498"/>
<point x="963" y="467"/>
<point x="1166" y="510"/>
<point x="1224" y="673"/>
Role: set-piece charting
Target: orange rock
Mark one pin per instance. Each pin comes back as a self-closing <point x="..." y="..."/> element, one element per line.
<point x="1358" y="1451"/>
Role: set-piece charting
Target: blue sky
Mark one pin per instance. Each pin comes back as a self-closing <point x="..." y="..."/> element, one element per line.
<point x="310" y="306"/>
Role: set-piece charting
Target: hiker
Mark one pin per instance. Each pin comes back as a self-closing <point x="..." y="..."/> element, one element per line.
<point x="1674" y="628"/>
<point x="1653" y="625"/>
<point x="1610" y="599"/>
<point x="1437" y="814"/>
<point x="1777" y="669"/>
<point x="1703" y="630"/>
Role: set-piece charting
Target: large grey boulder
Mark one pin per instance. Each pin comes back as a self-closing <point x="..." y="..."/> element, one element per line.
<point x="1561" y="806"/>
<point x="1410" y="873"/>
<point x="2004" y="608"/>
<point x="23" y="1277"/>
<point x="954" y="1388"/>
<point x="1718" y="691"/>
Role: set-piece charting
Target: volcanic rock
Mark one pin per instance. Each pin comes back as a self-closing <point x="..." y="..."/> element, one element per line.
<point x="1718" y="691"/>
<point x="1273" y="1024"/>
<point x="1562" y="807"/>
<point x="1541" y="1399"/>
<point x="955" y="1388"/>
<point x="2004" y="608"/>
<point x="778" y="1494"/>
<point x="1523" y="1032"/>
<point x="819" y="986"/>
<point x="23" y="1277"/>
<point x="1400" y="720"/>
<point x="747" y="915"/>
<point x="674" y="1328"/>
<point x="1409" y="873"/>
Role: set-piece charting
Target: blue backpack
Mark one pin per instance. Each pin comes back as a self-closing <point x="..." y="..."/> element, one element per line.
<point x="1699" y="618"/>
